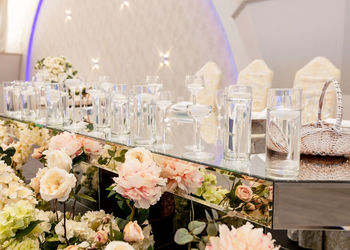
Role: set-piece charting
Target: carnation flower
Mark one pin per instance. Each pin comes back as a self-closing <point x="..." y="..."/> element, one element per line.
<point x="140" y="181"/>
<point x="184" y="176"/>
<point x="244" y="237"/>
<point x="56" y="184"/>
<point x="67" y="142"/>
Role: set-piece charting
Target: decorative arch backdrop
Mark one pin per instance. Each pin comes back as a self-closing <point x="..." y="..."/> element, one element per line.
<point x="128" y="40"/>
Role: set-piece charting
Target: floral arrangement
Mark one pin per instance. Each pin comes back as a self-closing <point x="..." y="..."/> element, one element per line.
<point x="54" y="69"/>
<point x="212" y="235"/>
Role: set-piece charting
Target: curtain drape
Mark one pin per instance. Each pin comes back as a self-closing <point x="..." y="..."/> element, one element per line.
<point x="3" y="25"/>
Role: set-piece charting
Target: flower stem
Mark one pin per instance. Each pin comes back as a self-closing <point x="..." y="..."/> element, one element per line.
<point x="64" y="222"/>
<point x="55" y="209"/>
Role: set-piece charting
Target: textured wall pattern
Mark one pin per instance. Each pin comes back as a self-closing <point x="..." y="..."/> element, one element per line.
<point x="128" y="41"/>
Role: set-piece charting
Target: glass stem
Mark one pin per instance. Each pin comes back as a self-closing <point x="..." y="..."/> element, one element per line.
<point x="198" y="135"/>
<point x="194" y="98"/>
<point x="73" y="106"/>
<point x="163" y="126"/>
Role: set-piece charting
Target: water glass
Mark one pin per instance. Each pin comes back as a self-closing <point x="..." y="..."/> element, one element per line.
<point x="120" y="119"/>
<point x="145" y="110"/>
<point x="12" y="102"/>
<point x="238" y="123"/>
<point x="40" y="100"/>
<point x="56" y="104"/>
<point x="154" y="84"/>
<point x="100" y="108"/>
<point x="283" y="133"/>
<point x="29" y="101"/>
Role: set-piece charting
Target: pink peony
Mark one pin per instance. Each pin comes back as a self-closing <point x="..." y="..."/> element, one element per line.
<point x="67" y="142"/>
<point x="184" y="176"/>
<point x="244" y="237"/>
<point x="90" y="146"/>
<point x="140" y="154"/>
<point x="140" y="182"/>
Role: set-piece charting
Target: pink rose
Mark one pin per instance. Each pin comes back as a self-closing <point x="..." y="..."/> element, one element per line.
<point x="184" y="176"/>
<point x="101" y="238"/>
<point x="244" y="193"/>
<point x="38" y="153"/>
<point x="92" y="147"/>
<point x="133" y="232"/>
<point x="67" y="142"/>
<point x="140" y="182"/>
<point x="250" y="206"/>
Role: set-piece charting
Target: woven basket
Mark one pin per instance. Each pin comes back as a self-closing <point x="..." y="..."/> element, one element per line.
<point x="321" y="138"/>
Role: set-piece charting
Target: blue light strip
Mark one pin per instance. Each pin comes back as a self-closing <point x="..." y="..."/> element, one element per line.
<point x="30" y="44"/>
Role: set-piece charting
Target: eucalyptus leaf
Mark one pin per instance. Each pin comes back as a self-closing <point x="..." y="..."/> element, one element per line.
<point x="208" y="216"/>
<point x="196" y="227"/>
<point x="212" y="229"/>
<point x="182" y="236"/>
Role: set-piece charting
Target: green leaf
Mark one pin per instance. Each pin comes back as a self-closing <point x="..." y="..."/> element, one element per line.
<point x="86" y="197"/>
<point x="118" y="159"/>
<point x="118" y="235"/>
<point x="150" y="248"/>
<point x="111" y="153"/>
<point x="1" y="150"/>
<point x="207" y="215"/>
<point x="122" y="223"/>
<point x="7" y="159"/>
<point x="196" y="227"/>
<point x="23" y="232"/>
<point x="53" y="238"/>
<point x="80" y="158"/>
<point x="10" y="151"/>
<point x="212" y="229"/>
<point x="90" y="127"/>
<point x="77" y="189"/>
<point x="142" y="215"/>
<point x="123" y="206"/>
<point x="182" y="236"/>
<point x="111" y="193"/>
<point x="123" y="152"/>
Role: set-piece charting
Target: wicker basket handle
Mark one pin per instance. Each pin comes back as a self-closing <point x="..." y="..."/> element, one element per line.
<point x="339" y="116"/>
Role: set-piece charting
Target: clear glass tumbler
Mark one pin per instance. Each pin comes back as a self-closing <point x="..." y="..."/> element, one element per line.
<point x="238" y="123"/>
<point x="12" y="100"/>
<point x="120" y="118"/>
<point x="29" y="101"/>
<point x="283" y="127"/>
<point x="56" y="104"/>
<point x="145" y="110"/>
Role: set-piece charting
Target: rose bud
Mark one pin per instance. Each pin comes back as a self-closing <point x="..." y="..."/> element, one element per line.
<point x="133" y="232"/>
<point x="101" y="238"/>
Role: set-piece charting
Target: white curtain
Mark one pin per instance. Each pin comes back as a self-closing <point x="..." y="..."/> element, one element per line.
<point x="3" y="25"/>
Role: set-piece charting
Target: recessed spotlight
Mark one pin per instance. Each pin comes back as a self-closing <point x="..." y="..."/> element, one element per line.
<point x="164" y="59"/>
<point x="68" y="15"/>
<point x="95" y="64"/>
<point x="125" y="3"/>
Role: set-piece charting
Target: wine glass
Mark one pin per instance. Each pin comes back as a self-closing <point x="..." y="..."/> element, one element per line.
<point x="198" y="112"/>
<point x="163" y="103"/>
<point x="154" y="84"/>
<point x="194" y="84"/>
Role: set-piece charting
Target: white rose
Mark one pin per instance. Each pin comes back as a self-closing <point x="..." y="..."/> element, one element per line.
<point x="119" y="245"/>
<point x="139" y="154"/>
<point x="56" y="184"/>
<point x="58" y="159"/>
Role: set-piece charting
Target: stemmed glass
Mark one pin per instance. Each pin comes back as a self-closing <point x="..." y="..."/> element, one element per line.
<point x="154" y="84"/>
<point x="164" y="101"/>
<point x="194" y="84"/>
<point x="198" y="112"/>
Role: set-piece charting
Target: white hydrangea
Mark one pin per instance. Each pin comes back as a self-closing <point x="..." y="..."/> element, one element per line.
<point x="75" y="229"/>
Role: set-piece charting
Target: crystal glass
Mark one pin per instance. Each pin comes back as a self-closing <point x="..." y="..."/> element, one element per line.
<point x="40" y="99"/>
<point x="238" y="123"/>
<point x="120" y="119"/>
<point x="198" y="112"/>
<point x="56" y="104"/>
<point x="29" y="102"/>
<point x="145" y="110"/>
<point x="154" y="84"/>
<point x="12" y="101"/>
<point x="163" y="103"/>
<point x="194" y="84"/>
<point x="283" y="132"/>
<point x="100" y="108"/>
<point x="220" y="102"/>
<point x="75" y="88"/>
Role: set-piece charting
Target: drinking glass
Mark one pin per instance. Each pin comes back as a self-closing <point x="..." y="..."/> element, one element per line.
<point x="145" y="110"/>
<point x="198" y="112"/>
<point x="12" y="92"/>
<point x="220" y="102"/>
<point x="75" y="88"/>
<point x="163" y="102"/>
<point x="100" y="108"/>
<point x="40" y="99"/>
<point x="29" y="105"/>
<point x="154" y="84"/>
<point x="56" y="104"/>
<point x="283" y="133"/>
<point x="120" y="119"/>
<point x="194" y="84"/>
<point x="238" y="123"/>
